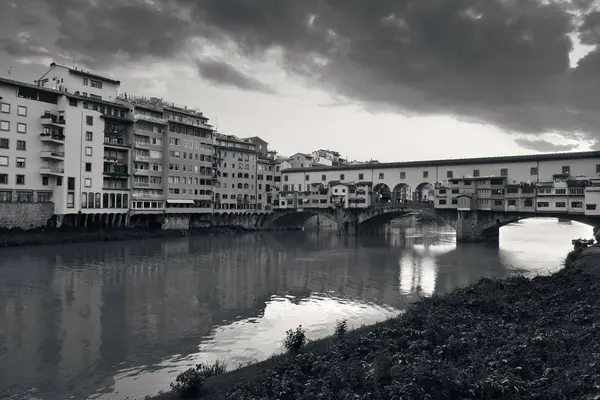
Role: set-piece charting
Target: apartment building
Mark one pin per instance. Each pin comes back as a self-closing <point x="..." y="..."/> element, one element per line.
<point x="66" y="139"/>
<point x="236" y="188"/>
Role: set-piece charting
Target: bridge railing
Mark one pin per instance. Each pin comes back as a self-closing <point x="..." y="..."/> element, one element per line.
<point x="400" y="204"/>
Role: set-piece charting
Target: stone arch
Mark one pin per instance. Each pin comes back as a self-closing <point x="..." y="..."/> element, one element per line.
<point x="381" y="193"/>
<point x="424" y="192"/>
<point x="401" y="193"/>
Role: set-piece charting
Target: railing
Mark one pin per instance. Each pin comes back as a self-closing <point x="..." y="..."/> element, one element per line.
<point x="50" y="170"/>
<point x="143" y="184"/>
<point x="150" y="118"/>
<point x="52" y="154"/>
<point x="140" y="158"/>
<point x="48" y="119"/>
<point x="114" y="142"/>
<point x="49" y="136"/>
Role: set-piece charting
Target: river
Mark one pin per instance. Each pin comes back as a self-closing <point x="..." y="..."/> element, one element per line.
<point x="119" y="320"/>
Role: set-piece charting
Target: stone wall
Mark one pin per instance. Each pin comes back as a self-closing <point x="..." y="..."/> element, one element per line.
<point x="25" y="215"/>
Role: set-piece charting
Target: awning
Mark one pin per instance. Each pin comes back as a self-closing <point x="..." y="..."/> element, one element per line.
<point x="177" y="201"/>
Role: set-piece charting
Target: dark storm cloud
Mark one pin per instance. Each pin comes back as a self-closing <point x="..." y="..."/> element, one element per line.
<point x="223" y="73"/>
<point x="504" y="62"/>
<point x="543" y="145"/>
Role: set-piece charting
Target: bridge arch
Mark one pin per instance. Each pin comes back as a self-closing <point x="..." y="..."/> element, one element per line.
<point x="491" y="229"/>
<point x="381" y="193"/>
<point x="424" y="191"/>
<point x="401" y="193"/>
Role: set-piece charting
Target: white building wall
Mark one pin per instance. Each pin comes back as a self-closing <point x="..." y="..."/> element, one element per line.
<point x="75" y="82"/>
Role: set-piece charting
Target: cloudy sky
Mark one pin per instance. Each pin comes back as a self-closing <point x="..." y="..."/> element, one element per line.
<point x="381" y="79"/>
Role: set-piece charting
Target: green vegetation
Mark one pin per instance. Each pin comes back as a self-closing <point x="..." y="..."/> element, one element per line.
<point x="514" y="339"/>
<point x="189" y="383"/>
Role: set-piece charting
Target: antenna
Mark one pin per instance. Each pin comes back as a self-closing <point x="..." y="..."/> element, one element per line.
<point x="73" y="60"/>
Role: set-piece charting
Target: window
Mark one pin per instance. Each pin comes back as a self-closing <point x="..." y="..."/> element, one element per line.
<point x="21" y="145"/>
<point x="323" y="177"/>
<point x="442" y="201"/>
<point x="85" y="81"/>
<point x="449" y="174"/>
<point x="71" y="184"/>
<point x="3" y="161"/>
<point x="88" y="151"/>
<point x="566" y="169"/>
<point x="73" y="102"/>
<point x="4" y="126"/>
<point x="306" y="177"/>
<point x="342" y="177"/>
<point x="95" y="97"/>
<point x="89" y="120"/>
<point x="70" y="200"/>
<point x="512" y="202"/>
<point x="84" y="200"/>
<point x="20" y="179"/>
<point x="402" y="175"/>
<point x="87" y="182"/>
<point x="3" y="143"/>
<point x="361" y="176"/>
<point x="504" y="172"/>
<point x="590" y="207"/>
<point x="561" y="204"/>
<point x="21" y="127"/>
<point x="285" y="178"/>
<point x="497" y="202"/>
<point x="577" y="204"/>
<point x="45" y="180"/>
<point x="425" y="174"/>
<point x="381" y="175"/>
<point x="22" y="111"/>
<point x="20" y="162"/>
<point x="5" y="108"/>
<point x="44" y="197"/>
<point x="88" y="167"/>
<point x="534" y="171"/>
<point x="89" y="136"/>
<point x="475" y="172"/>
<point x="96" y="84"/>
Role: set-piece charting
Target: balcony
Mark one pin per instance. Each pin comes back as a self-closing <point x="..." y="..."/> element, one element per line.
<point x="49" y="119"/>
<point x="139" y="157"/>
<point x="54" y="171"/>
<point x="119" y="173"/>
<point x="52" y="155"/>
<point x="148" y="118"/>
<point x="115" y="142"/>
<point x="52" y="138"/>
<point x="141" y="184"/>
<point x="137" y="171"/>
<point x="115" y="131"/>
<point x="142" y="145"/>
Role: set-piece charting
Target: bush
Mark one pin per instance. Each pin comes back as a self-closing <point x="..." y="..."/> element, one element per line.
<point x="189" y="383"/>
<point x="295" y="340"/>
<point x="341" y="328"/>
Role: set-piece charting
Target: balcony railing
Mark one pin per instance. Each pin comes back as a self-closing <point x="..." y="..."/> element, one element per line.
<point x="116" y="172"/>
<point x="149" y="118"/>
<point x="139" y="157"/>
<point x="51" y="171"/>
<point x="52" y="154"/>
<point x="115" y="142"/>
<point x="143" y="184"/>
<point x="52" y="137"/>
<point x="52" y="119"/>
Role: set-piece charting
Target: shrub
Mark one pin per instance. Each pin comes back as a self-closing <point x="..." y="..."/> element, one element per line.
<point x="190" y="382"/>
<point x="341" y="328"/>
<point x="295" y="340"/>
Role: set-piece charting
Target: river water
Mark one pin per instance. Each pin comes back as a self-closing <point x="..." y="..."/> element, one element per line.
<point x="120" y="320"/>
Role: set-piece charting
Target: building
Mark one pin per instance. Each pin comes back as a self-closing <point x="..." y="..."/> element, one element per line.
<point x="66" y="139"/>
<point x="236" y="187"/>
<point x="327" y="157"/>
<point x="301" y="160"/>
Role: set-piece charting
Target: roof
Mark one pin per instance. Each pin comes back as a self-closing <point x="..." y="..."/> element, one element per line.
<point x="302" y="154"/>
<point x="456" y="161"/>
<point x="86" y="73"/>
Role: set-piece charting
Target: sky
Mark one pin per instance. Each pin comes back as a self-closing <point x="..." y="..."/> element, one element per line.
<point x="390" y="80"/>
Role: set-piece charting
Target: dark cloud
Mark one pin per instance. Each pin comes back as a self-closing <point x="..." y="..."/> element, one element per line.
<point x="544" y="146"/>
<point x="504" y="62"/>
<point x="223" y="73"/>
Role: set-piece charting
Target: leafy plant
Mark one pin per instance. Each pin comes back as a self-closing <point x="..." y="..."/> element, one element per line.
<point x="295" y="340"/>
<point x="341" y="328"/>
<point x="190" y="382"/>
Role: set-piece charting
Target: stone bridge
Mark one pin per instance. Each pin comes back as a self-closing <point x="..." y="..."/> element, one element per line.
<point x="349" y="220"/>
<point x="471" y="226"/>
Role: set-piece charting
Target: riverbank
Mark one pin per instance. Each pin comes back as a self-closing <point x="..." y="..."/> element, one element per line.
<point x="518" y="338"/>
<point x="16" y="238"/>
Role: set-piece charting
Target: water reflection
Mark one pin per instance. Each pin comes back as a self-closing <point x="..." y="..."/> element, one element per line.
<point x="113" y="320"/>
